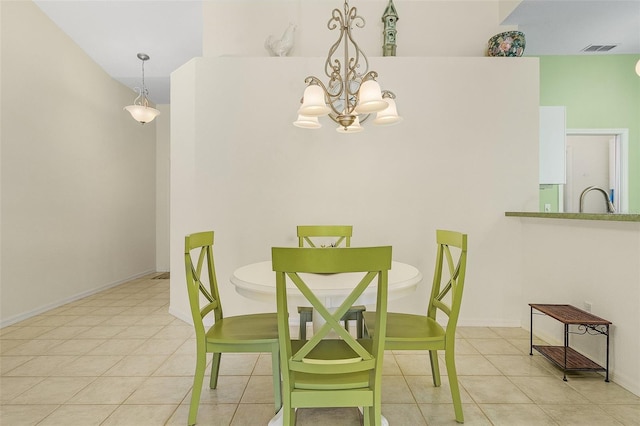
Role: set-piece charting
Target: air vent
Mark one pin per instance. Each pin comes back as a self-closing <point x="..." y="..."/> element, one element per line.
<point x="599" y="47"/>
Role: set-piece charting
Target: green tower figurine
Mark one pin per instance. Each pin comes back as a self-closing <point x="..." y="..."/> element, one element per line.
<point x="389" y="18"/>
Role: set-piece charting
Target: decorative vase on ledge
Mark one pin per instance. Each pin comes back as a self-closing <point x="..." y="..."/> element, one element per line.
<point x="509" y="43"/>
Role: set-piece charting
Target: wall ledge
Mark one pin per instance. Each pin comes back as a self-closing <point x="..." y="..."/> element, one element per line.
<point x="582" y="216"/>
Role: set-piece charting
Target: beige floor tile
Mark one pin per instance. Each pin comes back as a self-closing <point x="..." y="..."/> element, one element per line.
<point x="11" y="387"/>
<point x="390" y="366"/>
<point x="102" y="332"/>
<point x="177" y="365"/>
<point x="580" y="415"/>
<point x="629" y="415"/>
<point x="7" y="345"/>
<point x="477" y="333"/>
<point x="54" y="320"/>
<point x="140" y="415"/>
<point x="25" y="415"/>
<point x="444" y="415"/>
<point x="253" y="414"/>
<point x="26" y="333"/>
<point x="76" y="346"/>
<point x="107" y="390"/>
<point x="53" y="390"/>
<point x="494" y="346"/>
<point x="117" y="346"/>
<point x="89" y="365"/>
<point x="472" y="365"/>
<point x="172" y="331"/>
<point x="596" y="390"/>
<point x="34" y="347"/>
<point x="549" y="390"/>
<point x="139" y="332"/>
<point x="516" y="414"/>
<point x="64" y="332"/>
<point x="511" y="332"/>
<point x="228" y="391"/>
<point x="161" y="390"/>
<point x="425" y="392"/>
<point x="85" y="415"/>
<point x="160" y="347"/>
<point x="519" y="365"/>
<point x="208" y="414"/>
<point x="8" y="363"/>
<point x="259" y="390"/>
<point x="137" y="365"/>
<point x="41" y="365"/>
<point x="87" y="320"/>
<point x="237" y="364"/>
<point x="463" y="347"/>
<point x="395" y="390"/>
<point x="417" y="364"/>
<point x="403" y="414"/>
<point x="123" y="319"/>
<point x="493" y="390"/>
<point x="263" y="365"/>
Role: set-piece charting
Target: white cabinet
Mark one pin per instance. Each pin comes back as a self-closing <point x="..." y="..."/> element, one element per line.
<point x="552" y="145"/>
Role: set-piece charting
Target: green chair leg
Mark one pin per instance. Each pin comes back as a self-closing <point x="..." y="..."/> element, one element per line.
<point x="453" y="384"/>
<point x="277" y="382"/>
<point x="198" y="379"/>
<point x="435" y="367"/>
<point x="215" y="369"/>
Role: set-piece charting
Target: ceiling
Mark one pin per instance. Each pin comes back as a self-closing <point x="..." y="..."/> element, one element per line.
<point x="112" y="32"/>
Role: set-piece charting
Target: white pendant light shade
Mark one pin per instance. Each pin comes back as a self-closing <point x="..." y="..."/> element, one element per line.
<point x="313" y="104"/>
<point x="142" y="114"/>
<point x="370" y="98"/>
<point x="354" y="127"/>
<point x="638" y="67"/>
<point x="307" y="122"/>
<point x="389" y="115"/>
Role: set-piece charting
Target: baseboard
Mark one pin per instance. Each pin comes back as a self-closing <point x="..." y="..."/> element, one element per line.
<point x="26" y="315"/>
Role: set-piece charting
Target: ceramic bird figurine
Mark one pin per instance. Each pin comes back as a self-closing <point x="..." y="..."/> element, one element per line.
<point x="281" y="46"/>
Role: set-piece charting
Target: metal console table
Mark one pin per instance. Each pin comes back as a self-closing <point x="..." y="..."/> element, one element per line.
<point x="566" y="357"/>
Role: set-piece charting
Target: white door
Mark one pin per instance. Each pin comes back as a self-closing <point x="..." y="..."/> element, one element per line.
<point x="587" y="165"/>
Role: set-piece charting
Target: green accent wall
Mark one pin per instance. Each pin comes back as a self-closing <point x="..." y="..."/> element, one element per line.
<point x="599" y="92"/>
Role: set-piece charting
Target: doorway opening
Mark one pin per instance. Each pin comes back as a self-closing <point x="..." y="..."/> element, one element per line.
<point x="596" y="157"/>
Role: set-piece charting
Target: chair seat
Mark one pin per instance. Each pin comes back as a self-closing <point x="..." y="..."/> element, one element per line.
<point x="407" y="327"/>
<point x="254" y="328"/>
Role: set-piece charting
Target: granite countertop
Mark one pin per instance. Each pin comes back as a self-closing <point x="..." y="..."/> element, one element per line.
<point x="583" y="216"/>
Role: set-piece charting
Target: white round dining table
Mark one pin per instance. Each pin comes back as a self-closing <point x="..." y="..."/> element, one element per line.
<point x="258" y="281"/>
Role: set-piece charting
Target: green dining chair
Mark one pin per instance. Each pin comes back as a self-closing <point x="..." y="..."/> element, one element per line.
<point x="423" y="332"/>
<point x="341" y="371"/>
<point x="239" y="334"/>
<point x="309" y="235"/>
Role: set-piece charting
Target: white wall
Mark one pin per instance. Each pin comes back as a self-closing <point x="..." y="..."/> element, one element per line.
<point x="163" y="166"/>
<point x="78" y="186"/>
<point x="573" y="261"/>
<point x="461" y="158"/>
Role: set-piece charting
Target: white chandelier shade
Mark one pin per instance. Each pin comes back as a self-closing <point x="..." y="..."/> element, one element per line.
<point x="313" y="104"/>
<point x="370" y="98"/>
<point x="307" y="122"/>
<point x="140" y="110"/>
<point x="142" y="114"/>
<point x="389" y="115"/>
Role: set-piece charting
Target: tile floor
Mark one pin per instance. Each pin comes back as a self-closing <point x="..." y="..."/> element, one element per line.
<point x="119" y="358"/>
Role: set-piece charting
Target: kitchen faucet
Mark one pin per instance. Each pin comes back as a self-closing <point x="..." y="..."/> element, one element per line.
<point x="610" y="207"/>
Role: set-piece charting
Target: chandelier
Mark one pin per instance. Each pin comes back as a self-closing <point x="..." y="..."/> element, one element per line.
<point x="140" y="110"/>
<point x="352" y="92"/>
